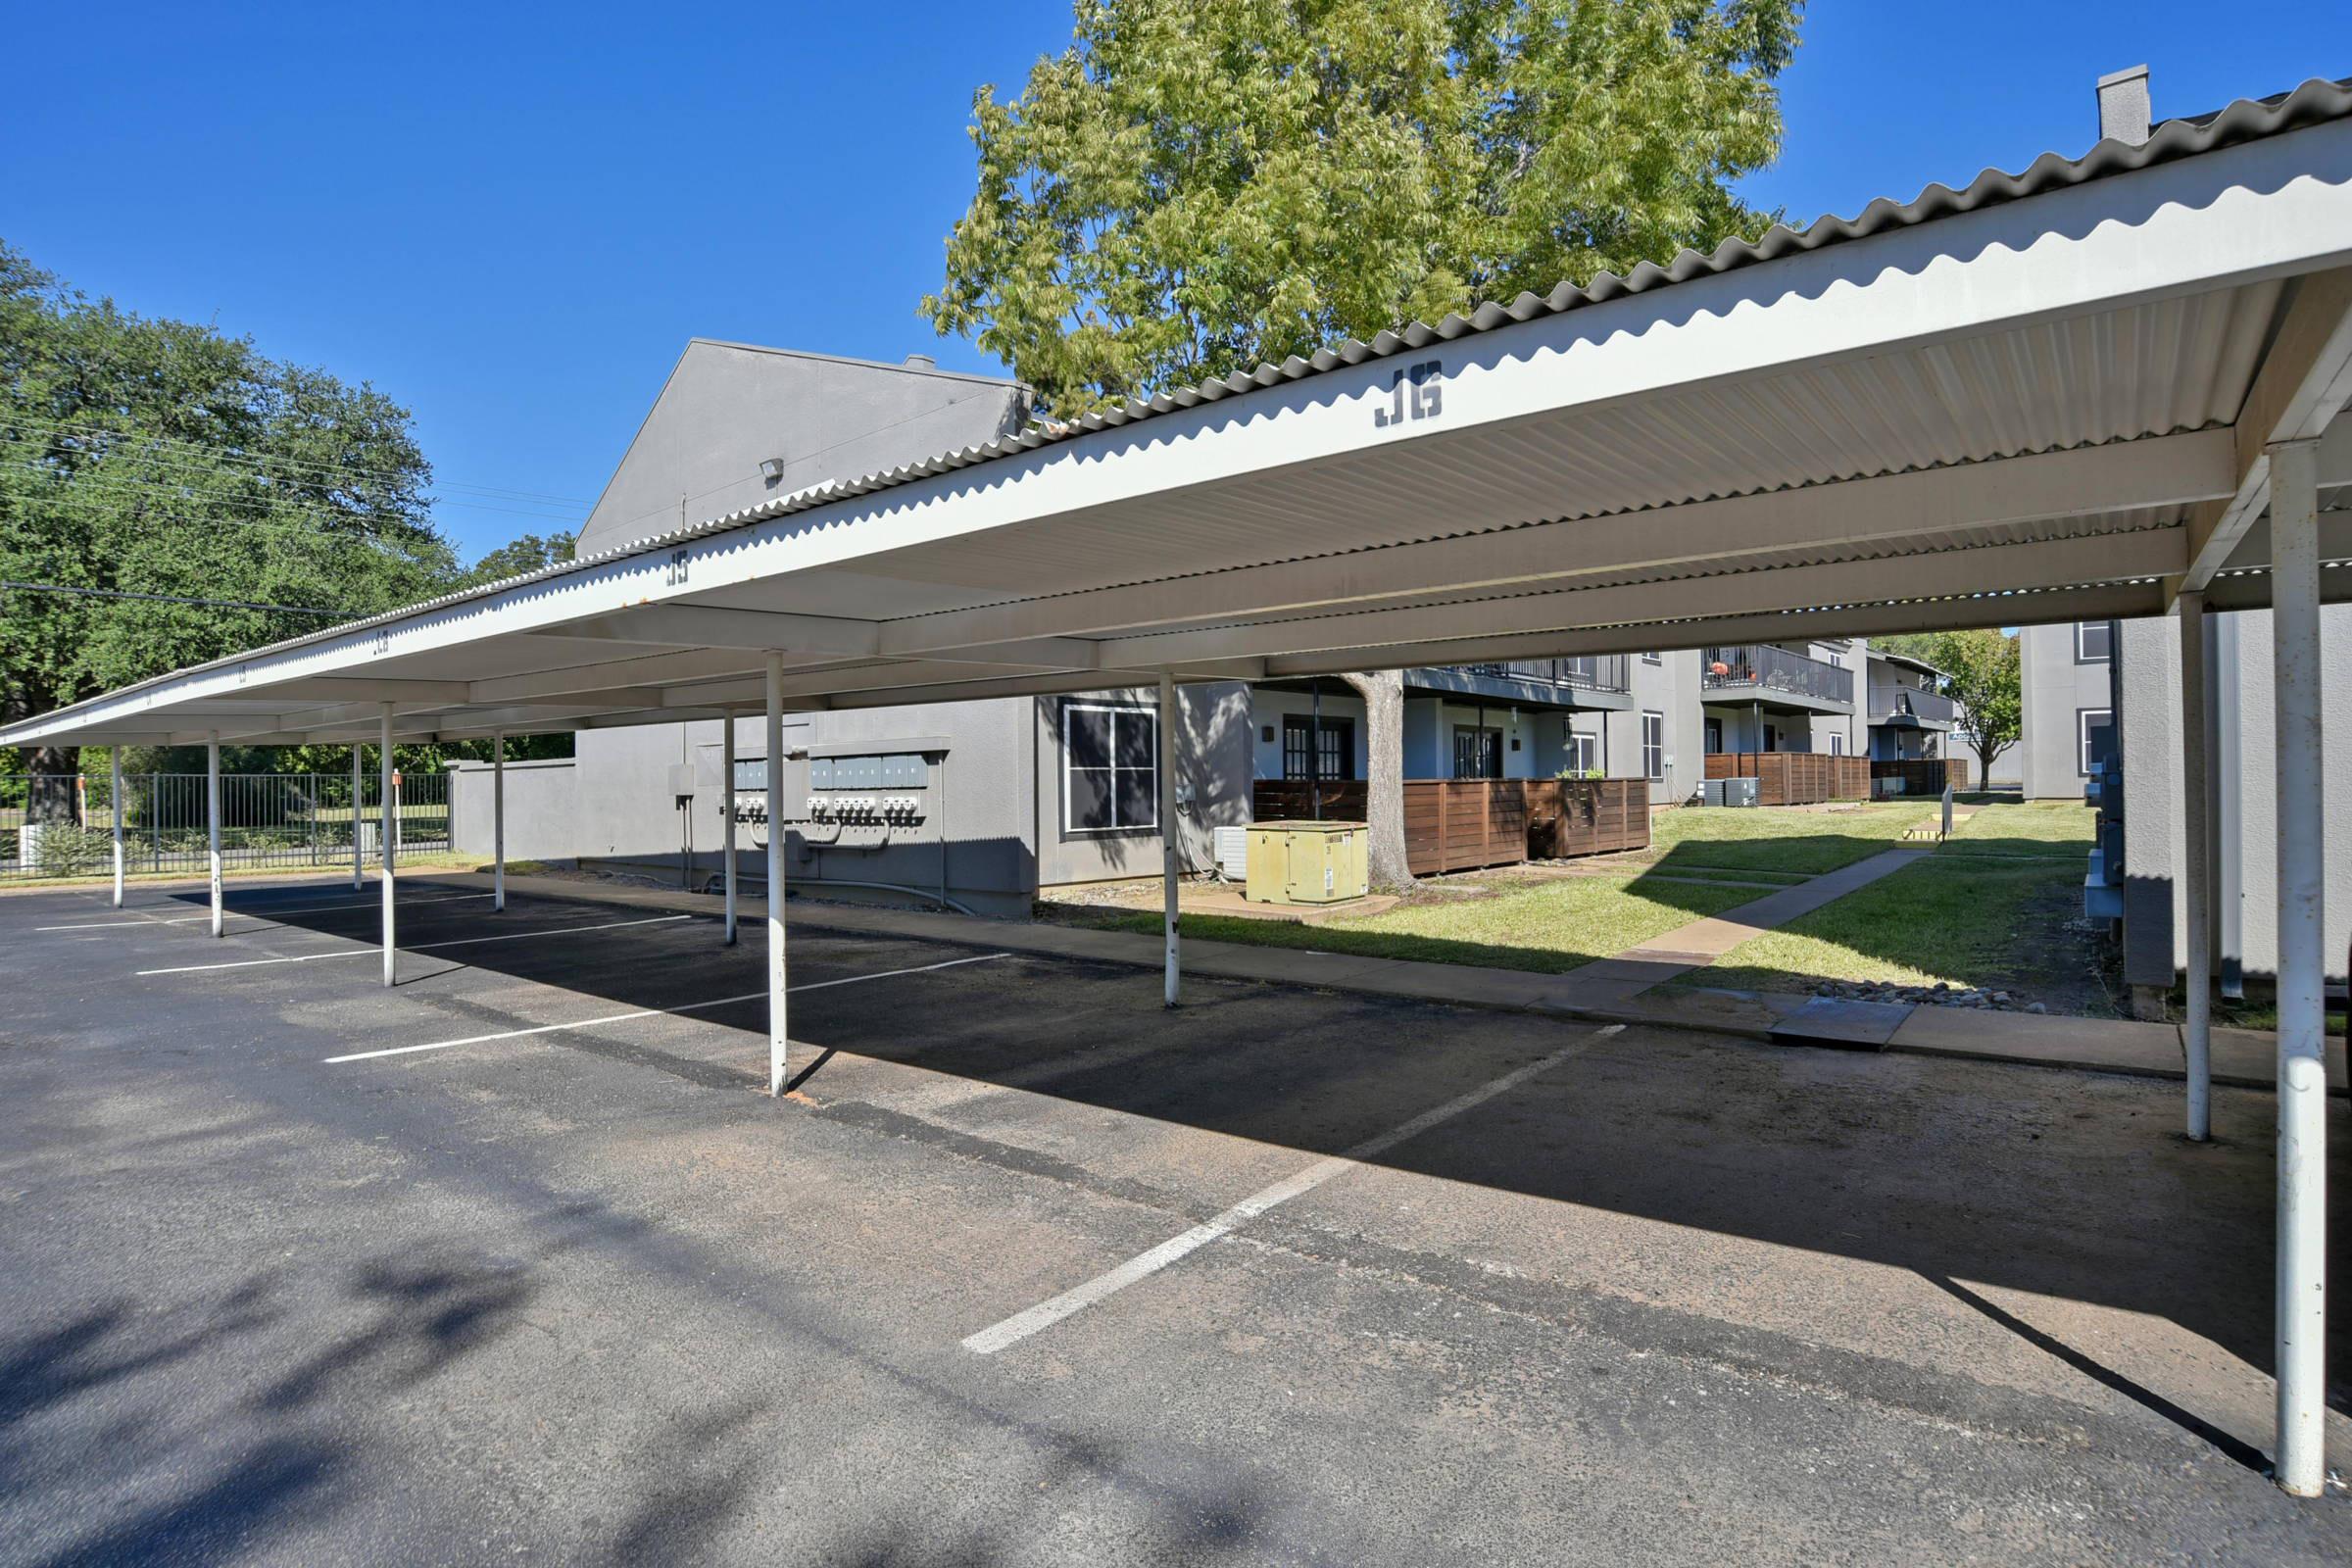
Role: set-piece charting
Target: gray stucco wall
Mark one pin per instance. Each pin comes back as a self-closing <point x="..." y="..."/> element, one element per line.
<point x="542" y="804"/>
<point x="2153" y="950"/>
<point x="727" y="405"/>
<point x="2056" y="688"/>
<point x="1213" y="760"/>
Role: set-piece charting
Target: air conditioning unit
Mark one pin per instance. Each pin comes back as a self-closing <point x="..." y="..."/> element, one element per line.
<point x="1732" y="790"/>
<point x="1232" y="853"/>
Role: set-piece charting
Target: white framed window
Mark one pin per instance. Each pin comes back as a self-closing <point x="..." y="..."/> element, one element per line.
<point x="2094" y="642"/>
<point x="1109" y="768"/>
<point x="1653" y="745"/>
<point x="1653" y="658"/>
<point x="2094" y="736"/>
<point x="1836" y="744"/>
<point x="1583" y="753"/>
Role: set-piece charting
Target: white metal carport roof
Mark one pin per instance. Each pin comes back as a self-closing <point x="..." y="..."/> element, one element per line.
<point x="2054" y="387"/>
<point x="2052" y="396"/>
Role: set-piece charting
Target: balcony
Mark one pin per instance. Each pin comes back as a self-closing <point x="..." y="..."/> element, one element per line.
<point x="1586" y="672"/>
<point x="1761" y="672"/>
<point x="1900" y="705"/>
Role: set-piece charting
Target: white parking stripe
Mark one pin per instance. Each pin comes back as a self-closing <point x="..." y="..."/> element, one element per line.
<point x="259" y="914"/>
<point x="1046" y="1314"/>
<point x="423" y="947"/>
<point x="654" y="1012"/>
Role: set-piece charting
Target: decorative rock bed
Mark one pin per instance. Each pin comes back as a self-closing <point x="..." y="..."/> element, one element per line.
<point x="1934" y="996"/>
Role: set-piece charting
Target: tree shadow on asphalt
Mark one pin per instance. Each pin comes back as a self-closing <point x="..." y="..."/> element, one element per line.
<point x="83" y="1417"/>
<point x="2071" y="1186"/>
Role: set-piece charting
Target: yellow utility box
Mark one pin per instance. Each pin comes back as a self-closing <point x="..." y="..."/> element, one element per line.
<point x="1307" y="862"/>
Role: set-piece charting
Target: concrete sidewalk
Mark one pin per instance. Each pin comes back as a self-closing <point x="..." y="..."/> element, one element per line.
<point x="2240" y="1058"/>
<point x="1614" y="980"/>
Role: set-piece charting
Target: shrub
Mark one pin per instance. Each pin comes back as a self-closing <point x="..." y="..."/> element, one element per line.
<point x="65" y="850"/>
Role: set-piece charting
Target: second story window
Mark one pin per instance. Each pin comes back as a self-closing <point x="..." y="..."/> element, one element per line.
<point x="1653" y="658"/>
<point x="2094" y="642"/>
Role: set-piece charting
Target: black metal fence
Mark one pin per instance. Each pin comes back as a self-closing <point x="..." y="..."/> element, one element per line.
<point x="61" y="825"/>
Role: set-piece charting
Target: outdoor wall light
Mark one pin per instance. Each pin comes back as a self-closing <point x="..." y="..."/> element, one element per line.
<point x="771" y="468"/>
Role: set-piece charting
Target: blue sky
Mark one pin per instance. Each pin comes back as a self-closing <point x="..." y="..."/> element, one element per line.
<point x="513" y="224"/>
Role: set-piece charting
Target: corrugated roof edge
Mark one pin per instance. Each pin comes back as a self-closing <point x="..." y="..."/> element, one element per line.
<point x="2316" y="102"/>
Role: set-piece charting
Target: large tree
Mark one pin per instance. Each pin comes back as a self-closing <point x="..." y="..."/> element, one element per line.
<point x="1980" y="672"/>
<point x="168" y="495"/>
<point x="1196" y="186"/>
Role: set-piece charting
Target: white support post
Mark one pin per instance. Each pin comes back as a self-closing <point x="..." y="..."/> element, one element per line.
<point x="212" y="824"/>
<point x="115" y="795"/>
<point x="359" y="869"/>
<point x="2196" y="875"/>
<point x="775" y="874"/>
<point x="2302" y="1363"/>
<point x="726" y="811"/>
<point x="384" y="859"/>
<point x="498" y="820"/>
<point x="1168" y="829"/>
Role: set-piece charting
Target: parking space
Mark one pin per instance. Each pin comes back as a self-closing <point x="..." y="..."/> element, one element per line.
<point x="516" y="1260"/>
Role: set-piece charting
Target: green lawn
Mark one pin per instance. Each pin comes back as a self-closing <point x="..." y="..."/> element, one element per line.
<point x="2038" y="827"/>
<point x="1549" y="927"/>
<point x="1778" y="839"/>
<point x="1993" y="908"/>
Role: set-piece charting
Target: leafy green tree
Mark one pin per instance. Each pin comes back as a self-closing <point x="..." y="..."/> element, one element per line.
<point x="162" y="457"/>
<point x="1197" y="186"/>
<point x="530" y="552"/>
<point x="1194" y="187"/>
<point x="1980" y="672"/>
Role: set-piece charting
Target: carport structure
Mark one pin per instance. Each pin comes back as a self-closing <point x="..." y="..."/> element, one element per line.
<point x="2103" y="387"/>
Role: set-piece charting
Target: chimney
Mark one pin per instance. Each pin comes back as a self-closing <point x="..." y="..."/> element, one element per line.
<point x="2124" y="106"/>
<point x="924" y="361"/>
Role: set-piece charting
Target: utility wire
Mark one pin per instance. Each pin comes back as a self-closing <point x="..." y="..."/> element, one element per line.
<point x="254" y="468"/>
<point x="316" y="466"/>
<point x="96" y="506"/>
<point x="167" y="599"/>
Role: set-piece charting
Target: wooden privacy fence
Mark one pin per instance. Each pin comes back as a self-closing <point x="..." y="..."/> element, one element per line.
<point x="1918" y="776"/>
<point x="1795" y="778"/>
<point x="1459" y="824"/>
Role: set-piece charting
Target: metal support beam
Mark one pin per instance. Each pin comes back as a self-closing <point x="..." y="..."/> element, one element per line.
<point x="2305" y="378"/>
<point x="2006" y="568"/>
<point x="358" y="862"/>
<point x="2302" y="969"/>
<point x="384" y="857"/>
<point x="1168" y="829"/>
<point x="498" y="820"/>
<point x="726" y="811"/>
<point x="2196" y="875"/>
<point x="115" y="809"/>
<point x="775" y="874"/>
<point x="211" y="825"/>
<point x="717" y="626"/>
<point x="1831" y="518"/>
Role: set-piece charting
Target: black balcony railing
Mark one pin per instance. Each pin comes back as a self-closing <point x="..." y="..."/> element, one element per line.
<point x="1761" y="669"/>
<point x="1909" y="702"/>
<point x="1586" y="672"/>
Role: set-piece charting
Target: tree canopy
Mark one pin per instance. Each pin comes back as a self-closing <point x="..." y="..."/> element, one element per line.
<point x="169" y="495"/>
<point x="1196" y="186"/>
<point x="1981" y="672"/>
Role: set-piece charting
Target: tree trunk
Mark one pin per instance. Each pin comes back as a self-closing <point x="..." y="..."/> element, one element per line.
<point x="50" y="795"/>
<point x="1383" y="692"/>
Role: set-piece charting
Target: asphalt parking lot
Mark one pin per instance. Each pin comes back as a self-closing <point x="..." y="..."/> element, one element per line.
<point x="518" y="1262"/>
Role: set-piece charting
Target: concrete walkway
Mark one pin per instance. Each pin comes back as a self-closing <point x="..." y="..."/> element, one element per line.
<point x="2241" y="1057"/>
<point x="1615" y="980"/>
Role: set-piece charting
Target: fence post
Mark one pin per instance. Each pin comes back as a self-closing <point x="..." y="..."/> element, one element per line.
<point x="115" y="809"/>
